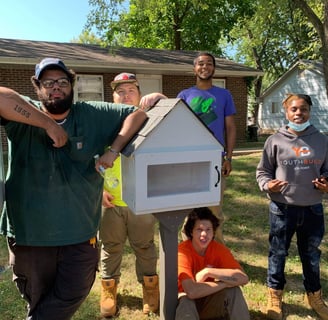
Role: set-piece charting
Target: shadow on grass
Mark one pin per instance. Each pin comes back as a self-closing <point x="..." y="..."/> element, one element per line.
<point x="129" y="301"/>
<point x="255" y="273"/>
<point x="130" y="307"/>
<point x="290" y="311"/>
<point x="257" y="315"/>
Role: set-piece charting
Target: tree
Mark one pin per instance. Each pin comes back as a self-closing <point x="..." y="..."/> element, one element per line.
<point x="169" y="24"/>
<point x="319" y="20"/>
<point x="272" y="40"/>
<point x="87" y="37"/>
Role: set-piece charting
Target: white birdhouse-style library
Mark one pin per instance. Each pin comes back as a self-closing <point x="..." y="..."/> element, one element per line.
<point x="173" y="163"/>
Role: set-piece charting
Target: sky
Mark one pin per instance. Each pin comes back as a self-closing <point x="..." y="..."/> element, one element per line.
<point x="43" y="20"/>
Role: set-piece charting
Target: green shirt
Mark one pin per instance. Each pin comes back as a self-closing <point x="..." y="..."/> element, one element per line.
<point x="53" y="195"/>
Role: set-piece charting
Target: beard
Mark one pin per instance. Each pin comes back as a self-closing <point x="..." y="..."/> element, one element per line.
<point x="56" y="106"/>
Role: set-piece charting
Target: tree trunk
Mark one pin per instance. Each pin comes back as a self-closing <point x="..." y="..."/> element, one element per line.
<point x="321" y="28"/>
<point x="257" y="90"/>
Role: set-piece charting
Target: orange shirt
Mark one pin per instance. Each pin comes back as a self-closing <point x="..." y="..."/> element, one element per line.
<point x="190" y="262"/>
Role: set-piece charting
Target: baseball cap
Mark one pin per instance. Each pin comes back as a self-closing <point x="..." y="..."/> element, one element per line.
<point x="49" y="62"/>
<point x="124" y="78"/>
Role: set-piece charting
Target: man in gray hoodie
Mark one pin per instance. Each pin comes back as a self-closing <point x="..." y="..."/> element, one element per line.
<point x="293" y="172"/>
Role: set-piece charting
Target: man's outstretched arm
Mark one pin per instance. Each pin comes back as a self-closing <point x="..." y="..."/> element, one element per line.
<point x="15" y="108"/>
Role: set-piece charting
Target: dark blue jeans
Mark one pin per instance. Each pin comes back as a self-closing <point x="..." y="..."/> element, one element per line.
<point x="308" y="224"/>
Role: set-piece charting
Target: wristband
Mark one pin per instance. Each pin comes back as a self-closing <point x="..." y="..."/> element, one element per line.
<point x="114" y="151"/>
<point x="228" y="159"/>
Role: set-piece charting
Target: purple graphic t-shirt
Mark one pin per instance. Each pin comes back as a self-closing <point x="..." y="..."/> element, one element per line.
<point x="211" y="106"/>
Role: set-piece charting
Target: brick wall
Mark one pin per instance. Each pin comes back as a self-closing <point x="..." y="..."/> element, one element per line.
<point x="108" y="92"/>
<point x="238" y="89"/>
<point x="19" y="79"/>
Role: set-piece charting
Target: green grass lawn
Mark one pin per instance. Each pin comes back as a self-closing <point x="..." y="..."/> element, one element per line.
<point x="246" y="233"/>
<point x="252" y="144"/>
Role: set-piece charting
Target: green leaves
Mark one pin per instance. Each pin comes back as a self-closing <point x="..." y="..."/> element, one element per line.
<point x="174" y="24"/>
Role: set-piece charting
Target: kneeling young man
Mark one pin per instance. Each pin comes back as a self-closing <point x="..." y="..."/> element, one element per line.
<point x="208" y="275"/>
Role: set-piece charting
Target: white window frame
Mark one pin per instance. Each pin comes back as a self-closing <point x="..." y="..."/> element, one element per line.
<point x="219" y="82"/>
<point x="143" y="78"/>
<point x="275" y="107"/>
<point x="91" y="86"/>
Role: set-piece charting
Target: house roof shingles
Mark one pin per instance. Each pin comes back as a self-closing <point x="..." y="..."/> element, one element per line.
<point x="94" y="58"/>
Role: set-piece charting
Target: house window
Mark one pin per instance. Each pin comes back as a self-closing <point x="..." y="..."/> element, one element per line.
<point x="219" y="82"/>
<point x="89" y="87"/>
<point x="275" y="107"/>
<point x="149" y="83"/>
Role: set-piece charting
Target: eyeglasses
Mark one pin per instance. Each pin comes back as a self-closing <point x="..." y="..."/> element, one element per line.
<point x="49" y="83"/>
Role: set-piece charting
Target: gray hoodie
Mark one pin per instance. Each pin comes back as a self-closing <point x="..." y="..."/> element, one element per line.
<point x="297" y="160"/>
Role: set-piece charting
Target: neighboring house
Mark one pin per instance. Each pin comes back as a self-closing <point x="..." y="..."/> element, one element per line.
<point x="303" y="77"/>
<point x="157" y="70"/>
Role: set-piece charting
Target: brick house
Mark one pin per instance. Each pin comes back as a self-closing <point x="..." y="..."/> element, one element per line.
<point x="157" y="70"/>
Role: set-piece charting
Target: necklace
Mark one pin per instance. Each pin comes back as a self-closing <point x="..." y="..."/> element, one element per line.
<point x="61" y="122"/>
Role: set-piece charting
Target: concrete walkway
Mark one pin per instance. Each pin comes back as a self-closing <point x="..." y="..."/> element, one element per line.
<point x="245" y="151"/>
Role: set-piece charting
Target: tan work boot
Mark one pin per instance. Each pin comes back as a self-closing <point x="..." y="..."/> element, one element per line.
<point x="150" y="290"/>
<point x="274" y="307"/>
<point x="317" y="304"/>
<point x="108" y="297"/>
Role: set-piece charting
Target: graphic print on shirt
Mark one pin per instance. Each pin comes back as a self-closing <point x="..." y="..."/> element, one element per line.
<point x="204" y="108"/>
<point x="303" y="159"/>
<point x="302" y="151"/>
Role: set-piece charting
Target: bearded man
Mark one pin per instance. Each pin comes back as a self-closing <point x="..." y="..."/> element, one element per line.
<point x="53" y="194"/>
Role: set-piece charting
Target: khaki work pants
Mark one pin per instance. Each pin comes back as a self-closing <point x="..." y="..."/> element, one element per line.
<point x="227" y="304"/>
<point x="119" y="224"/>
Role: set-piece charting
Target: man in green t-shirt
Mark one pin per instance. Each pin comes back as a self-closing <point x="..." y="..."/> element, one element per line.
<point x="53" y="195"/>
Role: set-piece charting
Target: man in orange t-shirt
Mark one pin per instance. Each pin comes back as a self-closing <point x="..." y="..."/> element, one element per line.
<point x="208" y="275"/>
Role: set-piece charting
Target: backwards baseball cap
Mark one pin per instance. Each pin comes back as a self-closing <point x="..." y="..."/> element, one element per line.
<point x="124" y="78"/>
<point x="47" y="63"/>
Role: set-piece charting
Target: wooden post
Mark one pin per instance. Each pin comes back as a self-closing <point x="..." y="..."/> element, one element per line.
<point x="169" y="223"/>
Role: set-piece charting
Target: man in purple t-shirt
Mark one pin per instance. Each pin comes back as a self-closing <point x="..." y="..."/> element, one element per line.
<point x="215" y="107"/>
